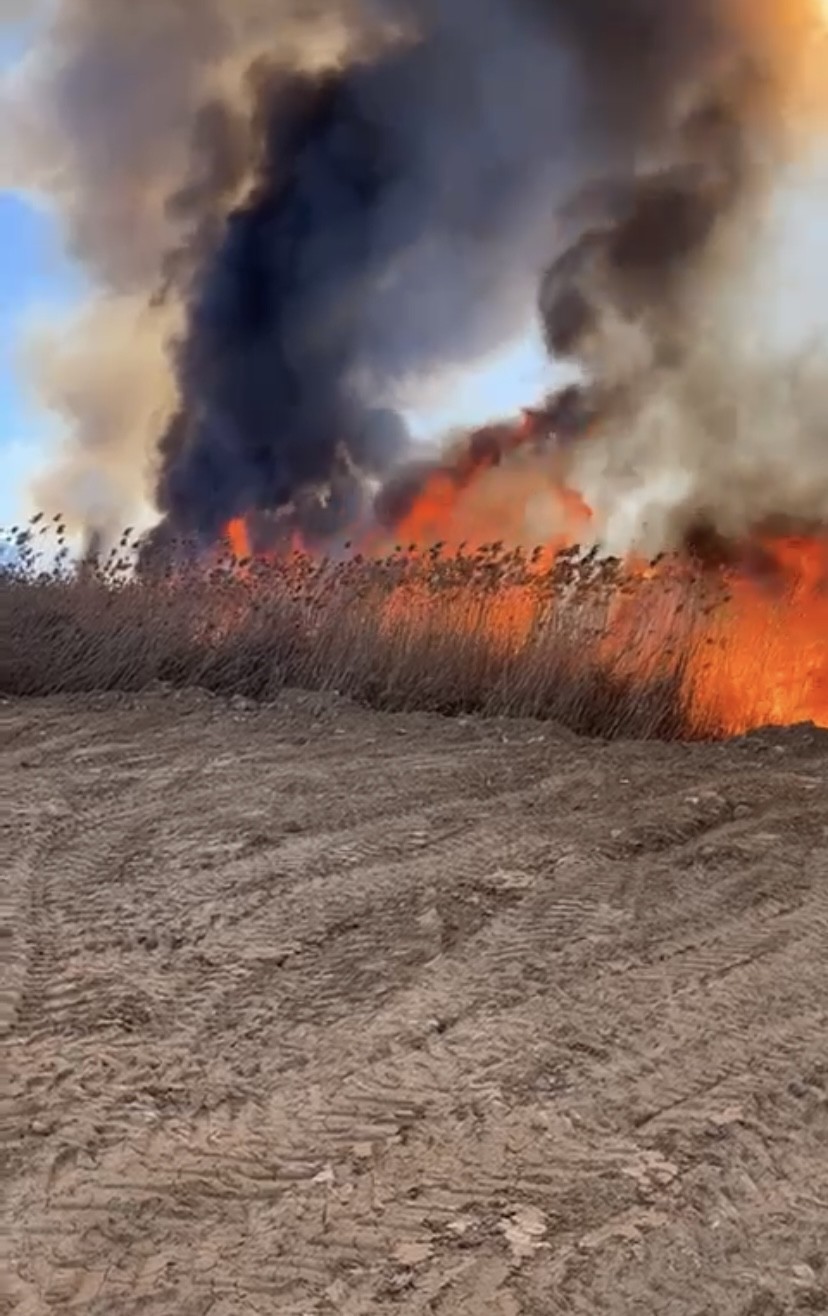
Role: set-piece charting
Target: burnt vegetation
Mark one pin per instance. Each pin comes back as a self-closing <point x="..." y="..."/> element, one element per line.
<point x="490" y="632"/>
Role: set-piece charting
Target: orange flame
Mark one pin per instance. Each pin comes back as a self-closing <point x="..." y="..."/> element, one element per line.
<point x="747" y="642"/>
<point x="767" y="649"/>
<point x="238" y="538"/>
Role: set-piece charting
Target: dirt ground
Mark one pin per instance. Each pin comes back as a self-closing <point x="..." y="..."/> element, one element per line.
<point x="316" y="1010"/>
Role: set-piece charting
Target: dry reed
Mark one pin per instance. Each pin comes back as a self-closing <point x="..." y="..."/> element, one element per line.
<point x="492" y="632"/>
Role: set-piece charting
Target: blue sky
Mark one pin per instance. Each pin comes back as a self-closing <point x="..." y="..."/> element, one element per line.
<point x="35" y="276"/>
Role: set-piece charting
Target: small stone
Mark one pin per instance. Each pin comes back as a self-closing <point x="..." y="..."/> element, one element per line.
<point x="460" y="1226"/>
<point x="412" y="1254"/>
<point x="722" y="1119"/>
<point x="524" y="1231"/>
<point x="804" y="1274"/>
<point x="508" y="880"/>
<point x="430" y="920"/>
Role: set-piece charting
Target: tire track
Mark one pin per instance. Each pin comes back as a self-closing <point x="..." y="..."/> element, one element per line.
<point x="407" y="1018"/>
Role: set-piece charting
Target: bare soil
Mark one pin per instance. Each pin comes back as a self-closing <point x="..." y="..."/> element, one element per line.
<point x="311" y="1009"/>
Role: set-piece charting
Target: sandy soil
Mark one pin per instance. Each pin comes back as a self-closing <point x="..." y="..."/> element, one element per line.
<point x="314" y="1010"/>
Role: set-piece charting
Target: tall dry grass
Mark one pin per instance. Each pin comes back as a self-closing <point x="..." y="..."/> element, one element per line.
<point x="490" y="632"/>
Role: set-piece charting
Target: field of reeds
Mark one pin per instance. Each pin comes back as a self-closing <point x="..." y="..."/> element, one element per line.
<point x="493" y="632"/>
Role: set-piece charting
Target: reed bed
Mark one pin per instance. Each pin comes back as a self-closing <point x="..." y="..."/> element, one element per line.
<point x="578" y="639"/>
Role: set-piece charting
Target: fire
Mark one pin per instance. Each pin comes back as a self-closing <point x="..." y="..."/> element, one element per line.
<point x="238" y="538"/>
<point x="766" y="659"/>
<point x="747" y="641"/>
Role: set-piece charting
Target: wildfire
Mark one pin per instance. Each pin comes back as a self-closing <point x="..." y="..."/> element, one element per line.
<point x="766" y="659"/>
<point x="238" y="538"/>
<point x="746" y="639"/>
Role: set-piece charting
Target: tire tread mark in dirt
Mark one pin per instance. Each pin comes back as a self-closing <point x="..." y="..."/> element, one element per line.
<point x="588" y="1013"/>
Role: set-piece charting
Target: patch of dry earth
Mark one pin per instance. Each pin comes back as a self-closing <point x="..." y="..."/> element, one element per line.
<point x="316" y="1010"/>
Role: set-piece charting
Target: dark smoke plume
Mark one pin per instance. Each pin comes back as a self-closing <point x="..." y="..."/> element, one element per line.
<point x="378" y="225"/>
<point x="363" y="193"/>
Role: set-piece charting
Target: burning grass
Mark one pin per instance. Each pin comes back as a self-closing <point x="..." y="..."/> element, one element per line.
<point x="605" y="648"/>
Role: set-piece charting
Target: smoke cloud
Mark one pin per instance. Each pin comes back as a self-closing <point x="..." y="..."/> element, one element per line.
<point x="702" y="415"/>
<point x="289" y="208"/>
<point x="13" y="11"/>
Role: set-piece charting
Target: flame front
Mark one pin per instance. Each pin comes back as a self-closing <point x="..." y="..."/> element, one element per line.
<point x="747" y="642"/>
<point x="764" y="656"/>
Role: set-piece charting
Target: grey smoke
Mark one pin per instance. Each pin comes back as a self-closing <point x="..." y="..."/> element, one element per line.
<point x="286" y="207"/>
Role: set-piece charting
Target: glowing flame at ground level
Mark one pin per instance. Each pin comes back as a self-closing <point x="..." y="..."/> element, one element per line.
<point x="746" y="641"/>
<point x="768" y="644"/>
